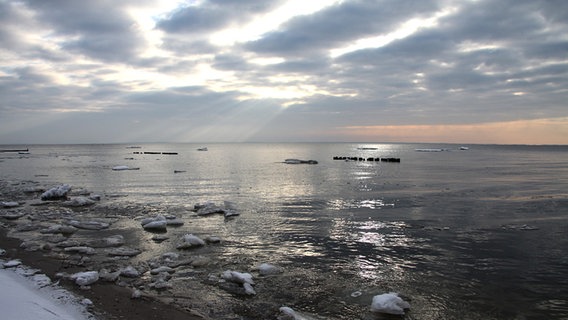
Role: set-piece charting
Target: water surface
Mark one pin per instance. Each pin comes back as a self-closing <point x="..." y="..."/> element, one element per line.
<point x="476" y="234"/>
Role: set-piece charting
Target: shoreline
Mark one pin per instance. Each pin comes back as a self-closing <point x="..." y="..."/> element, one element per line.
<point x="110" y="301"/>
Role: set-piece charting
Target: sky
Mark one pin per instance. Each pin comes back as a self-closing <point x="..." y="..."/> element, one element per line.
<point x="457" y="71"/>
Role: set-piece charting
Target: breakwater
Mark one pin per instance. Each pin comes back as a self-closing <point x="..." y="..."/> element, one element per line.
<point x="390" y="159"/>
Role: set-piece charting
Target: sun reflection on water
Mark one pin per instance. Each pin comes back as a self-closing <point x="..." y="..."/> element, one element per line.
<point x="383" y="250"/>
<point x="342" y="204"/>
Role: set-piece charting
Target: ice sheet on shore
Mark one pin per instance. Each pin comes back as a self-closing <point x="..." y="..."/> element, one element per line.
<point x="27" y="297"/>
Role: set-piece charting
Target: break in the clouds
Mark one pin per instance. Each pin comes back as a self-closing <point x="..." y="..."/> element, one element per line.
<point x="197" y="71"/>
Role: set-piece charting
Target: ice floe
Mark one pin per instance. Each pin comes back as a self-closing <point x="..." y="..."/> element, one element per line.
<point x="56" y="193"/>
<point x="242" y="278"/>
<point x="389" y="303"/>
<point x="85" y="278"/>
<point x="81" y="250"/>
<point x="228" y="209"/>
<point x="266" y="269"/>
<point x="12" y="215"/>
<point x="12" y="263"/>
<point x="190" y="241"/>
<point x="158" y="225"/>
<point x="79" y="202"/>
<point x="111" y="241"/>
<point x="123" y="168"/>
<point x="9" y="204"/>
<point x="161" y="269"/>
<point x="58" y="228"/>
<point x="89" y="225"/>
<point x="130" y="272"/>
<point x="287" y="313"/>
<point x="123" y="252"/>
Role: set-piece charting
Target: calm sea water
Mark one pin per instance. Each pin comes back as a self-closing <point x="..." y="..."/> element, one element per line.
<point x="474" y="234"/>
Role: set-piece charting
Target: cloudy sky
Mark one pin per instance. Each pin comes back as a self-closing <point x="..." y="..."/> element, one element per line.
<point x="463" y="71"/>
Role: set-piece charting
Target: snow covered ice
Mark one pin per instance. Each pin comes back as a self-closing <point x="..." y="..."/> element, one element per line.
<point x="389" y="303"/>
<point x="26" y="297"/>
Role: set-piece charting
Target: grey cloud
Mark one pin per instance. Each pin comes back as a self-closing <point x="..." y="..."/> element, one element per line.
<point x="338" y="25"/>
<point x="213" y="15"/>
<point x="230" y="62"/>
<point x="98" y="29"/>
<point x="307" y="65"/>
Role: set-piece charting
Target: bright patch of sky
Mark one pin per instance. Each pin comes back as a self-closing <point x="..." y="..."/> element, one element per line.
<point x="406" y="29"/>
<point x="269" y="21"/>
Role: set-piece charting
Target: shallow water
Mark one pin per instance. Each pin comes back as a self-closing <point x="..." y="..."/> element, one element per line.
<point x="469" y="234"/>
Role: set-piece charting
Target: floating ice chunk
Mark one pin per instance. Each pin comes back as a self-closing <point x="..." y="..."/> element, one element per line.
<point x="189" y="241"/>
<point x="123" y="252"/>
<point x="389" y="303"/>
<point x="79" y="202"/>
<point x="68" y="243"/>
<point x="268" y="269"/>
<point x="524" y="227"/>
<point x="145" y="221"/>
<point x="160" y="225"/>
<point x="87" y="302"/>
<point x="108" y="276"/>
<point x="89" y="225"/>
<point x="136" y="294"/>
<point x="56" y="192"/>
<point x="230" y="209"/>
<point x="237" y="277"/>
<point x="130" y="272"/>
<point x="170" y="256"/>
<point x="80" y="250"/>
<point x="122" y="168"/>
<point x="159" y="238"/>
<point x="57" y="228"/>
<point x="288" y="313"/>
<point x="2" y="252"/>
<point x="13" y="215"/>
<point x="198" y="206"/>
<point x="112" y="241"/>
<point x="242" y="278"/>
<point x="174" y="222"/>
<point x="161" y="269"/>
<point x="9" y="204"/>
<point x="160" y="284"/>
<point x="12" y="263"/>
<point x="208" y="208"/>
<point x="212" y="239"/>
<point x="249" y="289"/>
<point x="85" y="278"/>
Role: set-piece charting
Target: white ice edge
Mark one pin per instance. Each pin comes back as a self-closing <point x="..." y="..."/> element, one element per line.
<point x="25" y="296"/>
